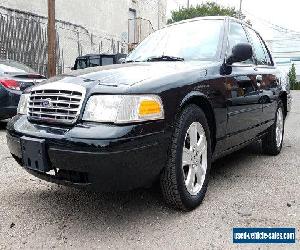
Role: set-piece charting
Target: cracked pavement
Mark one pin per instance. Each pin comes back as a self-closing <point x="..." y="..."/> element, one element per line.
<point x="247" y="189"/>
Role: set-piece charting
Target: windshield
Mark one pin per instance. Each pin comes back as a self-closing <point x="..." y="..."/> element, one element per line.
<point x="196" y="40"/>
<point x="81" y="64"/>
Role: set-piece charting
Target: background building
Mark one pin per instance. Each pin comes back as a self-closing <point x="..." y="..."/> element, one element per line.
<point x="106" y="26"/>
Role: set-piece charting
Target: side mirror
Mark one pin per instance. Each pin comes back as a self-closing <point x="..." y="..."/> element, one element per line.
<point x="240" y="52"/>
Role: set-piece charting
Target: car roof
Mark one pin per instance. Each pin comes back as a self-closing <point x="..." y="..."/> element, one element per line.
<point x="208" y="18"/>
<point x="225" y="18"/>
<point x="96" y="55"/>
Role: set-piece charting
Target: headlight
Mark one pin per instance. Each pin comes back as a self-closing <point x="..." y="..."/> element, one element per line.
<point x="23" y="104"/>
<point x="123" y="108"/>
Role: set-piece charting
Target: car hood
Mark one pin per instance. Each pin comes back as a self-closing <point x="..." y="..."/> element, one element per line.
<point x="131" y="74"/>
<point x="123" y="76"/>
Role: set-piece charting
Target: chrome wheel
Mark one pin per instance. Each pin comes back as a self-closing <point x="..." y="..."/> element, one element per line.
<point x="194" y="158"/>
<point x="279" y="127"/>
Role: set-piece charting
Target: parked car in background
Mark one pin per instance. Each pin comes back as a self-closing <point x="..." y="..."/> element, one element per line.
<point x="15" y="77"/>
<point x="189" y="94"/>
<point x="94" y="60"/>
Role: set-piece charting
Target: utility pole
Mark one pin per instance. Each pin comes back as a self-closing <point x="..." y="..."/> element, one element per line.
<point x="51" y="39"/>
<point x="188" y="4"/>
<point x="240" y="12"/>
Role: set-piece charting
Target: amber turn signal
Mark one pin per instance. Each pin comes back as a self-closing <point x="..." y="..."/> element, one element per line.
<point x="149" y="107"/>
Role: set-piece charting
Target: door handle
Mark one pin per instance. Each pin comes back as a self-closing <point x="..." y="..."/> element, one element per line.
<point x="259" y="78"/>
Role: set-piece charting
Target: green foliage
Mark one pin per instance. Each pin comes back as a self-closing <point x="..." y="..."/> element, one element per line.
<point x="293" y="78"/>
<point x="204" y="9"/>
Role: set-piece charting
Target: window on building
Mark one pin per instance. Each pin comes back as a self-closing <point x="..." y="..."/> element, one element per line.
<point x="132" y="26"/>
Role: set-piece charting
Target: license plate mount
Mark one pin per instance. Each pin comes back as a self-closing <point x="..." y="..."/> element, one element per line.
<point x="34" y="154"/>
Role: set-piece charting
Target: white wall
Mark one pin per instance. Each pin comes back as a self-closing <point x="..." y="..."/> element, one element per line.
<point x="105" y="20"/>
<point x="108" y="17"/>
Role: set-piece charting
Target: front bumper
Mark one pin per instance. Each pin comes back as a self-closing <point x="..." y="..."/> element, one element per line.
<point x="102" y="157"/>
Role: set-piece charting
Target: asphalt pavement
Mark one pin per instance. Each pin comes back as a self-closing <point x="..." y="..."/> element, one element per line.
<point x="247" y="189"/>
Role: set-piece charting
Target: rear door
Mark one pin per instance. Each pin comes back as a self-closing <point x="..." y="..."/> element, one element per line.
<point x="268" y="76"/>
<point x="244" y="110"/>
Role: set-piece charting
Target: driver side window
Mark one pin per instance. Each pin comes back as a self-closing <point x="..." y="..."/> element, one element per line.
<point x="237" y="35"/>
<point x="261" y="53"/>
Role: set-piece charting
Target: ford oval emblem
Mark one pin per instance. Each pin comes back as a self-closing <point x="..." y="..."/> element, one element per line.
<point x="47" y="103"/>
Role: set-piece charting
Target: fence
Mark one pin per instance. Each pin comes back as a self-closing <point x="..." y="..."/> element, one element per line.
<point x="23" y="37"/>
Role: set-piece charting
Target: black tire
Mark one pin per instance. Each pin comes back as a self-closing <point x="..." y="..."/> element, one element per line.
<point x="269" y="142"/>
<point x="172" y="178"/>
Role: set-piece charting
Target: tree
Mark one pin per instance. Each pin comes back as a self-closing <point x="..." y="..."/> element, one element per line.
<point x="293" y="77"/>
<point x="204" y="9"/>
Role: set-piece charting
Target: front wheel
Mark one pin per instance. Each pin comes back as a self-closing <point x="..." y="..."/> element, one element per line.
<point x="185" y="178"/>
<point x="272" y="142"/>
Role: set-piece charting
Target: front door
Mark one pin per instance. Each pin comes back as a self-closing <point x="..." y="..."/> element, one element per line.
<point x="244" y="110"/>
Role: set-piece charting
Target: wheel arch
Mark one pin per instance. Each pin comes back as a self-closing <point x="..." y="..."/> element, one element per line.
<point x="202" y="102"/>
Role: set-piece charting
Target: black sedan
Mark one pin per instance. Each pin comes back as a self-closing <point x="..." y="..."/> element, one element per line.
<point x="190" y="93"/>
<point x="14" y="79"/>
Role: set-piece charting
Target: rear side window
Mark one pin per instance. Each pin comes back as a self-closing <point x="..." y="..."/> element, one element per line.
<point x="237" y="35"/>
<point x="94" y="61"/>
<point x="107" y="61"/>
<point x="269" y="60"/>
<point x="268" y="57"/>
<point x="261" y="53"/>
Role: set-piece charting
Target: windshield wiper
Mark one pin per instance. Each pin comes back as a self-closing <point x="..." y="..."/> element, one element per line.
<point x="164" y="58"/>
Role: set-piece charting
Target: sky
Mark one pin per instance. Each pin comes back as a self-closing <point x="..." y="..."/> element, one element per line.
<point x="282" y="13"/>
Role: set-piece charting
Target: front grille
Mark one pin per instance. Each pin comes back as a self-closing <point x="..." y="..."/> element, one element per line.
<point x="56" y="106"/>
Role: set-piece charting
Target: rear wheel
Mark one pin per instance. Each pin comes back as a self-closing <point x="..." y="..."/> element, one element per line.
<point x="185" y="178"/>
<point x="272" y="142"/>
